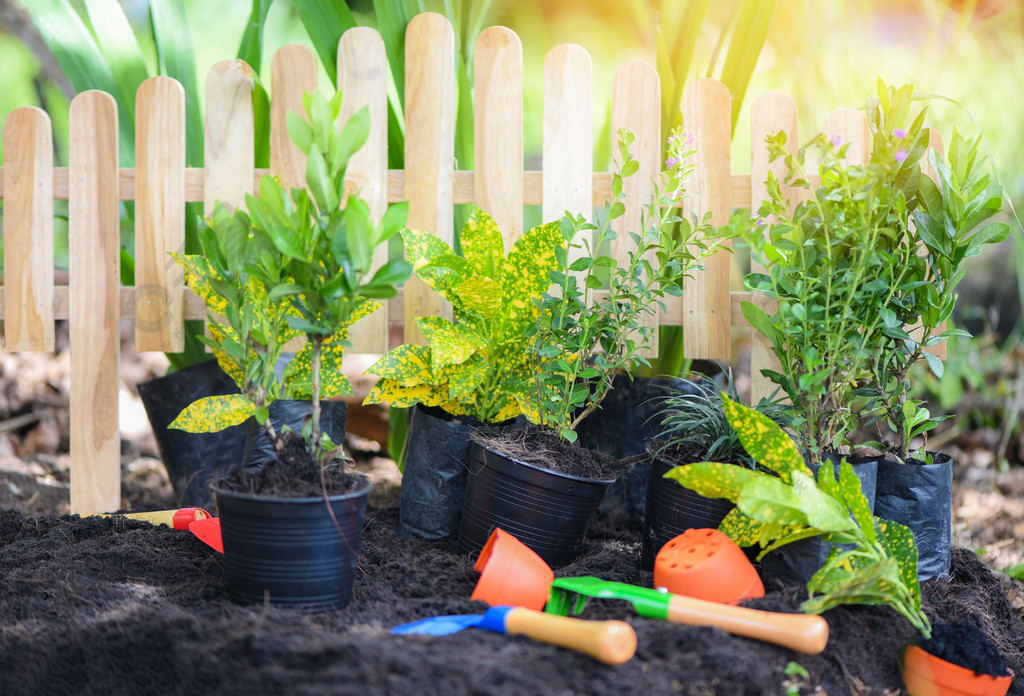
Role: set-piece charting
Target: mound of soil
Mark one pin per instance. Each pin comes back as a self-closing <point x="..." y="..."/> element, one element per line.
<point x="114" y="606"/>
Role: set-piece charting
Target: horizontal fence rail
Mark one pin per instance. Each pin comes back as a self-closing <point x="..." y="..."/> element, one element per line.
<point x="160" y="185"/>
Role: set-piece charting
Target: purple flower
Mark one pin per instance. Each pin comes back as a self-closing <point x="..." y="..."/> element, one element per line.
<point x="672" y="138"/>
<point x="759" y="222"/>
<point x="900" y="156"/>
<point x="689" y="139"/>
<point x="836" y="141"/>
<point x="671" y="162"/>
<point x="899" y="133"/>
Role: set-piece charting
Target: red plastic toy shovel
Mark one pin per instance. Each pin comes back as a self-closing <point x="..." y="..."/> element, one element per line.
<point x="208" y="531"/>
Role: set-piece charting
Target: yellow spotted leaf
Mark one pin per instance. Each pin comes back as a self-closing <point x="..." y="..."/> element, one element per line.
<point x="198" y="273"/>
<point x="406" y="365"/>
<point x="482" y="245"/>
<point x="463" y="379"/>
<point x="214" y="413"/>
<point x="481" y="295"/>
<point x="764" y="440"/>
<point x="422" y="247"/>
<point x="714" y="479"/>
<point x="386" y="391"/>
<point x="527" y="272"/>
<point x="450" y="344"/>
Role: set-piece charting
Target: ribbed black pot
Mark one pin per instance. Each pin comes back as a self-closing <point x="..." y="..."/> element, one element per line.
<point x="435" y="472"/>
<point x="546" y="510"/>
<point x="290" y="551"/>
<point x="795" y="563"/>
<point x="671" y="509"/>
<point x="192" y="460"/>
<point x="920" y="496"/>
<point x="628" y="420"/>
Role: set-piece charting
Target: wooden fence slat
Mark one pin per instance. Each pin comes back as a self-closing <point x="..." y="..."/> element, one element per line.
<point x="850" y="126"/>
<point x="229" y="155"/>
<point x="568" y="149"/>
<point x="28" y="231"/>
<point x="159" y="215"/>
<point x="94" y="239"/>
<point x="636" y="106"/>
<point x="293" y="72"/>
<point x="498" y="129"/>
<point x="363" y="79"/>
<point x="429" y="150"/>
<point x="706" y="317"/>
<point x="770" y="113"/>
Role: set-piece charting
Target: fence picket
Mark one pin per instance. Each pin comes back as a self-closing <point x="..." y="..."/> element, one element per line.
<point x="498" y="129"/>
<point x="229" y="155"/>
<point x="568" y="150"/>
<point x="636" y="106"/>
<point x="159" y="215"/>
<point x="28" y="231"/>
<point x="429" y="150"/>
<point x="770" y="113"/>
<point x="94" y="240"/>
<point x="362" y="77"/>
<point x="293" y="72"/>
<point x="707" y="315"/>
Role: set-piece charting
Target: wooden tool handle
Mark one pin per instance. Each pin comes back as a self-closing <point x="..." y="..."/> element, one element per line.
<point x="804" y="633"/>
<point x="611" y="642"/>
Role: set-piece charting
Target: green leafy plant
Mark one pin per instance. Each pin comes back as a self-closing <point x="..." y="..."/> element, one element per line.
<point x="783" y="503"/>
<point x="582" y="338"/>
<point x="948" y="216"/>
<point x="693" y="413"/>
<point x="836" y="265"/>
<point x="294" y="263"/>
<point x="475" y="365"/>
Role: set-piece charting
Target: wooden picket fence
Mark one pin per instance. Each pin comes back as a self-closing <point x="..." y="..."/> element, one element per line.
<point x="160" y="184"/>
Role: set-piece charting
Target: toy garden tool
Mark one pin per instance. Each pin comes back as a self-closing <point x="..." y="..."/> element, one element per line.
<point x="611" y="642"/>
<point x="179" y="519"/>
<point x="801" y="632"/>
<point x="208" y="532"/>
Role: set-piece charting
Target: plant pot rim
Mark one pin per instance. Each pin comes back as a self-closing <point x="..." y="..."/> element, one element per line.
<point x="238" y="495"/>
<point x="570" y="477"/>
<point x="955" y="671"/>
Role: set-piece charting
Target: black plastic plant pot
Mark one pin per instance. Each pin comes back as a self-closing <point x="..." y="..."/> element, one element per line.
<point x="795" y="563"/>
<point x="434" y="477"/>
<point x="920" y="496"/>
<point x="628" y="420"/>
<point x="546" y="510"/>
<point x="671" y="509"/>
<point x="192" y="460"/>
<point x="291" y="551"/>
<point x="292" y="413"/>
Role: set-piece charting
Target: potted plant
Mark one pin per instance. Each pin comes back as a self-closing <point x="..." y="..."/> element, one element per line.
<point x="942" y="228"/>
<point x="292" y="264"/>
<point x="835" y="266"/>
<point x="695" y="429"/>
<point x="876" y="564"/>
<point x="472" y="371"/>
<point x="523" y="480"/>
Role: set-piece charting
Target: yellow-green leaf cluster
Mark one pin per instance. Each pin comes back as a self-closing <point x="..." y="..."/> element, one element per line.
<point x="474" y="365"/>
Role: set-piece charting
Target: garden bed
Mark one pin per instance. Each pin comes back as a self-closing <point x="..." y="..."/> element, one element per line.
<point x="109" y="605"/>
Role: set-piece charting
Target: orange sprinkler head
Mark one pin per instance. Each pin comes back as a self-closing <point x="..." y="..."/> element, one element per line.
<point x="707" y="564"/>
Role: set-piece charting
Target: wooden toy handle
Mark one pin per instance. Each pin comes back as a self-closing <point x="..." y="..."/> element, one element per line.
<point x="806" y="633"/>
<point x="611" y="642"/>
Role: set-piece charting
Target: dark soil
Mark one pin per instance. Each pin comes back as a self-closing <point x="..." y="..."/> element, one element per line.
<point x="966" y="645"/>
<point x="293" y="474"/>
<point x="533" y="445"/>
<point x="113" y="606"/>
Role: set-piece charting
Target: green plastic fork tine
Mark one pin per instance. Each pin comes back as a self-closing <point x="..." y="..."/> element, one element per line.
<point x="647" y="602"/>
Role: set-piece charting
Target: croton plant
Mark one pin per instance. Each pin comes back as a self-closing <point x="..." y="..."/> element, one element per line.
<point x="474" y="365"/>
